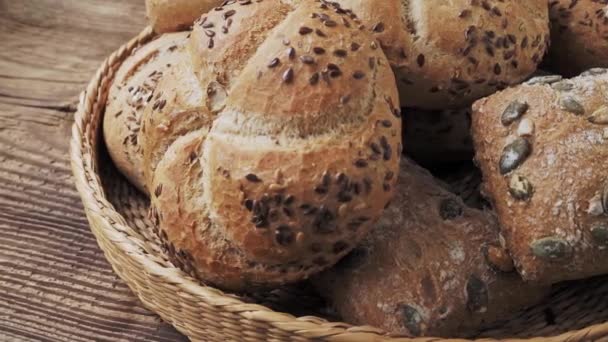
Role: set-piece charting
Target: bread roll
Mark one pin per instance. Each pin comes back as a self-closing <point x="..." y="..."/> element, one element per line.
<point x="439" y="136"/>
<point x="543" y="151"/>
<point x="272" y="152"/>
<point x="449" y="53"/>
<point x="135" y="81"/>
<point x="579" y="35"/>
<point x="177" y="15"/>
<point x="431" y="267"/>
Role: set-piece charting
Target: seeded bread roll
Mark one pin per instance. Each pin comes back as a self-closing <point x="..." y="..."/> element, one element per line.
<point x="449" y="53"/>
<point x="177" y="15"/>
<point x="543" y="151"/>
<point x="431" y="267"/>
<point x="439" y="136"/>
<point x="579" y="35"/>
<point x="268" y="159"/>
<point x="135" y="80"/>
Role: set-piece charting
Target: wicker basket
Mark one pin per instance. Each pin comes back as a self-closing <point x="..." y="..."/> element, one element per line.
<point x="118" y="217"/>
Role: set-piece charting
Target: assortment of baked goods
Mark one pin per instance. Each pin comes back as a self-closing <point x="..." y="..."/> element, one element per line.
<point x="268" y="135"/>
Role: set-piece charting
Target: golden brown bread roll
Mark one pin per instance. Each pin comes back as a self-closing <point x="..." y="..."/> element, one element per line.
<point x="270" y="153"/>
<point x="543" y="151"/>
<point x="449" y="53"/>
<point x="431" y="266"/>
<point x="177" y="15"/>
<point x="579" y="35"/>
<point x="133" y="84"/>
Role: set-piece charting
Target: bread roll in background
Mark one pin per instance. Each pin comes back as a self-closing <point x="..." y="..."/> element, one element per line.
<point x="543" y="151"/>
<point x="177" y="15"/>
<point x="446" y="54"/>
<point x="579" y="35"/>
<point x="431" y="267"/>
<point x="271" y="152"/>
<point x="134" y="83"/>
<point x="437" y="137"/>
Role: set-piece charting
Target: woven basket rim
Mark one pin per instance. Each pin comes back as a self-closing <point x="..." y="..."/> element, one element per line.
<point x="129" y="242"/>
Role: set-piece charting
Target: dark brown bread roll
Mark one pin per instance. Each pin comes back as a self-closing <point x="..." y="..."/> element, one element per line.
<point x="579" y="35"/>
<point x="431" y="266"/>
<point x="446" y="54"/>
<point x="543" y="151"/>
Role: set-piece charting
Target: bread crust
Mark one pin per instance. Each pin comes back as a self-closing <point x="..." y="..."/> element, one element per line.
<point x="430" y="268"/>
<point x="176" y="15"/>
<point x="543" y="151"/>
<point x="446" y="54"/>
<point x="579" y="32"/>
<point x="293" y="171"/>
<point x="135" y="81"/>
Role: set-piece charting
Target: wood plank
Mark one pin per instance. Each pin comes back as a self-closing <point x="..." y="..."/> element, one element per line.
<point x="55" y="284"/>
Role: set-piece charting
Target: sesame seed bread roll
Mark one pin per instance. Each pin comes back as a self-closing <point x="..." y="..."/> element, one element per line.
<point x="133" y="84"/>
<point x="579" y="35"/>
<point x="431" y="267"/>
<point x="177" y="15"/>
<point x="446" y="54"/>
<point x="274" y="149"/>
<point x="434" y="137"/>
<point x="543" y="151"/>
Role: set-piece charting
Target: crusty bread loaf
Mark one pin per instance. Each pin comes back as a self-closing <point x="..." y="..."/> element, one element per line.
<point x="438" y="136"/>
<point x="543" y="151"/>
<point x="432" y="266"/>
<point x="579" y="35"/>
<point x="277" y="147"/>
<point x="177" y="15"/>
<point x="133" y="84"/>
<point x="449" y="53"/>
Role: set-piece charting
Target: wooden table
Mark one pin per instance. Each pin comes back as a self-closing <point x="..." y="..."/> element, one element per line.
<point x="55" y="284"/>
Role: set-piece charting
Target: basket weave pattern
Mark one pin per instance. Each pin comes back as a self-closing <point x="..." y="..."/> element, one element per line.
<point x="117" y="216"/>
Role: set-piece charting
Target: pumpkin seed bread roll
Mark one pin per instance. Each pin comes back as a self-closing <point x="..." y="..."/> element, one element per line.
<point x="135" y="81"/>
<point x="177" y="15"/>
<point x="272" y="151"/>
<point x="431" y="267"/>
<point x="579" y="35"/>
<point x="446" y="54"/>
<point x="439" y="136"/>
<point x="543" y="151"/>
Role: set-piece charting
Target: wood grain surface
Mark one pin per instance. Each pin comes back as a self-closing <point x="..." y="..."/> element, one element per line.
<point x="55" y="284"/>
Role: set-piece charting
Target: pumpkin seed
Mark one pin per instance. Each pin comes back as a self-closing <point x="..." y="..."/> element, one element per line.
<point x="520" y="188"/>
<point x="599" y="233"/>
<point x="594" y="72"/>
<point x="562" y="86"/>
<point x="513" y="112"/>
<point x="514" y="155"/>
<point x="569" y="104"/>
<point x="525" y="128"/>
<point x="551" y="248"/>
<point x="596" y="207"/>
<point x="411" y="319"/>
<point x="477" y="294"/>
<point x="600" y="116"/>
<point x="544" y="79"/>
